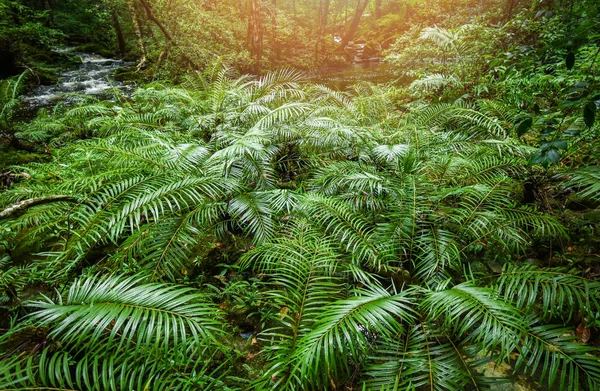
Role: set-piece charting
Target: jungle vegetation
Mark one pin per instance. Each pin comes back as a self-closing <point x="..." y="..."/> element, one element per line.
<point x="229" y="225"/>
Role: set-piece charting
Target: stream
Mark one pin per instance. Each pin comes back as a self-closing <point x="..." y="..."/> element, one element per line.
<point x="94" y="77"/>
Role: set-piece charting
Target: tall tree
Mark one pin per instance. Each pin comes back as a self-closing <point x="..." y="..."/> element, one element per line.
<point x="324" y="13"/>
<point x="118" y="31"/>
<point x="137" y="27"/>
<point x="255" y="34"/>
<point x="360" y="9"/>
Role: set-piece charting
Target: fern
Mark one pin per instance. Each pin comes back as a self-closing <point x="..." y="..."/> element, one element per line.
<point x="587" y="182"/>
<point x="118" y="325"/>
<point x="359" y="221"/>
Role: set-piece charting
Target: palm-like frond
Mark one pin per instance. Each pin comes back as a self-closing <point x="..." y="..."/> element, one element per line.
<point x="421" y="357"/>
<point x="587" y="182"/>
<point x="477" y="315"/>
<point x="125" y="311"/>
<point x="556" y="293"/>
<point x="561" y="360"/>
<point x="254" y="214"/>
<point x="359" y="221"/>
<point x="122" y="330"/>
<point x="442" y="37"/>
<point x="459" y="118"/>
<point x="336" y="219"/>
<point x="117" y="371"/>
<point x="303" y="280"/>
<point x="340" y="340"/>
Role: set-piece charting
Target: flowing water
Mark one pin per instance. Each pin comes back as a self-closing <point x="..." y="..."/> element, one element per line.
<point x="94" y="77"/>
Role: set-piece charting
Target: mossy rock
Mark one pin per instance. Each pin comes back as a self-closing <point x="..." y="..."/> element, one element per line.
<point x="592" y="216"/>
<point x="478" y="267"/>
<point x="96" y="49"/>
<point x="11" y="157"/>
<point x="128" y="75"/>
<point x="45" y="76"/>
<point x="371" y="49"/>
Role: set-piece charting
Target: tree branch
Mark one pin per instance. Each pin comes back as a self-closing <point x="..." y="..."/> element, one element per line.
<point x="32" y="202"/>
<point x="170" y="41"/>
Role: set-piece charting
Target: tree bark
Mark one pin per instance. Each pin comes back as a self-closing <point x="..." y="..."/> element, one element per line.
<point x="154" y="20"/>
<point x="119" y="32"/>
<point x="277" y="47"/>
<point x="510" y="9"/>
<point x="170" y="41"/>
<point x="21" y="205"/>
<point x="324" y="14"/>
<point x="323" y="20"/>
<point x="255" y="34"/>
<point x="138" y="33"/>
<point x="360" y="9"/>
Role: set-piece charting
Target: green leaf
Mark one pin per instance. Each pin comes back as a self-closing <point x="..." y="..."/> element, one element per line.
<point x="570" y="60"/>
<point x="558" y="144"/>
<point x="589" y="114"/>
<point x="569" y="102"/>
<point x="539" y="157"/>
<point x="553" y="155"/>
<point x="523" y="126"/>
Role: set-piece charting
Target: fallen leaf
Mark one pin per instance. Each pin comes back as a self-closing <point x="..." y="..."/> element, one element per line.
<point x="583" y="332"/>
<point x="283" y="312"/>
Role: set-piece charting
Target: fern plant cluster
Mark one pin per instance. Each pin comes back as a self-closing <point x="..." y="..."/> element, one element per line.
<point x="364" y="229"/>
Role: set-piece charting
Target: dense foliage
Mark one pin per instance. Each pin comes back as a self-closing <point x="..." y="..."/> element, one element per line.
<point x="230" y="231"/>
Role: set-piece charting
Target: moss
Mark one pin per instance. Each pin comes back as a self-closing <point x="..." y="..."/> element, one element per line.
<point x="12" y="157"/>
<point x="96" y="48"/>
<point x="128" y="75"/>
<point x="372" y="49"/>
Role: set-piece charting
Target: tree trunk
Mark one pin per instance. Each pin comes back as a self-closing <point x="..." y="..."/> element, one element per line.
<point x="138" y="33"/>
<point x="324" y="14"/>
<point x="170" y="41"/>
<point x="154" y="20"/>
<point x="323" y="20"/>
<point x="21" y="205"/>
<point x="255" y="34"/>
<point x="277" y="47"/>
<point x="510" y="9"/>
<point x="378" y="13"/>
<point x="360" y="9"/>
<point x="119" y="32"/>
<point x="48" y="8"/>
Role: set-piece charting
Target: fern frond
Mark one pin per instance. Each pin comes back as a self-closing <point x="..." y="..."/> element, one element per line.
<point x="442" y="37"/>
<point x="551" y="293"/>
<point x="434" y="82"/>
<point x="563" y="363"/>
<point x="587" y="182"/>
<point x="421" y="357"/>
<point x="477" y="315"/>
<point x="340" y="339"/>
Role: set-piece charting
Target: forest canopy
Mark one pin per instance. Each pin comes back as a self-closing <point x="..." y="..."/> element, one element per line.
<point x="379" y="195"/>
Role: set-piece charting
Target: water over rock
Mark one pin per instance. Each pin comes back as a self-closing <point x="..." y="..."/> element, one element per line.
<point x="95" y="77"/>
